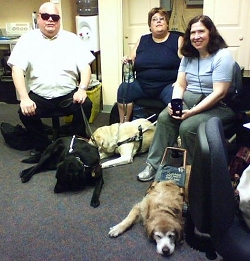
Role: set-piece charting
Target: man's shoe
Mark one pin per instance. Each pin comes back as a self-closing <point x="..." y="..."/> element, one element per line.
<point x="147" y="174"/>
<point x="34" y="158"/>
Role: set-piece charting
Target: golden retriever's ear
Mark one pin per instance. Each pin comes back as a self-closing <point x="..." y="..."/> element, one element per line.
<point x="179" y="234"/>
<point x="150" y="230"/>
<point x="99" y="140"/>
<point x="152" y="186"/>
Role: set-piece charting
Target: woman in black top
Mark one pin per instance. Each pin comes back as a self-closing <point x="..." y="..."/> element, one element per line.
<point x="156" y="60"/>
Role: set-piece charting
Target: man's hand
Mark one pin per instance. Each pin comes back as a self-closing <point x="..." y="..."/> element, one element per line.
<point x="28" y="107"/>
<point x="79" y="96"/>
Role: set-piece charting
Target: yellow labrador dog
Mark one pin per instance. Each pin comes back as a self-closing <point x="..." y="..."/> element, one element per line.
<point x="161" y="214"/>
<point x="126" y="139"/>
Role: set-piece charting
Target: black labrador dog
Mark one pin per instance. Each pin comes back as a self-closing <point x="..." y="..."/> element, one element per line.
<point x="77" y="163"/>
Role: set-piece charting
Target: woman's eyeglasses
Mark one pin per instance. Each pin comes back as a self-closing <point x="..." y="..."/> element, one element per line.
<point x="156" y="19"/>
<point x="54" y="17"/>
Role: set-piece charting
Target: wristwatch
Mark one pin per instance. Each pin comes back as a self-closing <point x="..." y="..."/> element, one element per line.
<point x="83" y="87"/>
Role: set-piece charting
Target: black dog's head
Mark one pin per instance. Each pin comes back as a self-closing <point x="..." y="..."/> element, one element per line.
<point x="78" y="168"/>
<point x="71" y="175"/>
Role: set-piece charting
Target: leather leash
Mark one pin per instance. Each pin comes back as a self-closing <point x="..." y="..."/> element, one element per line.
<point x="88" y="129"/>
<point x="65" y="104"/>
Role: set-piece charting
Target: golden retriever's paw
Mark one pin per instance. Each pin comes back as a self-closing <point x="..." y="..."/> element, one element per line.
<point x="115" y="231"/>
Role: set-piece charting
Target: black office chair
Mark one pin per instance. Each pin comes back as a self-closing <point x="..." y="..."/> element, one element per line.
<point x="212" y="207"/>
<point x="149" y="107"/>
<point x="55" y="130"/>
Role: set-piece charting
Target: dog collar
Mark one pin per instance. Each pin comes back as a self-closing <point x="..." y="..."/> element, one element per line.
<point x="82" y="163"/>
<point x="77" y="157"/>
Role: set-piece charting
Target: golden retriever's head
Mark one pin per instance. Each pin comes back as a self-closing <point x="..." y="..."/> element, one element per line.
<point x="105" y="140"/>
<point x="164" y="223"/>
<point x="166" y="231"/>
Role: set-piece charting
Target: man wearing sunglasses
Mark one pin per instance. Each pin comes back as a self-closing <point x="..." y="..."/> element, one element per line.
<point x="51" y="63"/>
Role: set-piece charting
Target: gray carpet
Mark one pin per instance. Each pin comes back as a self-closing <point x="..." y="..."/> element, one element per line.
<point x="38" y="225"/>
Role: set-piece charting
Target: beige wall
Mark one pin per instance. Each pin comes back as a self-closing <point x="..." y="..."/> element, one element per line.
<point x="17" y="10"/>
<point x="67" y="9"/>
<point x="111" y="37"/>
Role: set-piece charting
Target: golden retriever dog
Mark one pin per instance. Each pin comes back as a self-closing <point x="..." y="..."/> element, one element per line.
<point x="161" y="213"/>
<point x="126" y="139"/>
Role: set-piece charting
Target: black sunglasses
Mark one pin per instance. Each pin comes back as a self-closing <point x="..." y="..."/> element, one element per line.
<point x="54" y="17"/>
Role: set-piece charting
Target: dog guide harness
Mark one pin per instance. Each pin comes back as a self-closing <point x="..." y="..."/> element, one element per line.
<point x="71" y="149"/>
<point x="137" y="137"/>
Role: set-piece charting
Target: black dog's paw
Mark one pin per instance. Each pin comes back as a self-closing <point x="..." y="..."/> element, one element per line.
<point x="95" y="202"/>
<point x="22" y="173"/>
<point x="26" y="178"/>
<point x="25" y="172"/>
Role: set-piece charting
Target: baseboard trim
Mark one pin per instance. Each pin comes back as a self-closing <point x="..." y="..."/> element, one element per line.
<point x="107" y="108"/>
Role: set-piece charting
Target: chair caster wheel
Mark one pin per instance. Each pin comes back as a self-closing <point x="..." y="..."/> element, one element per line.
<point x="211" y="255"/>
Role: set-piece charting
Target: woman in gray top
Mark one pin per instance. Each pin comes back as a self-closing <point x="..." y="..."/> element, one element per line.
<point x="203" y="80"/>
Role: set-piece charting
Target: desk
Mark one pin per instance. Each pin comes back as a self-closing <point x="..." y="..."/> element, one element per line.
<point x="8" y="44"/>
